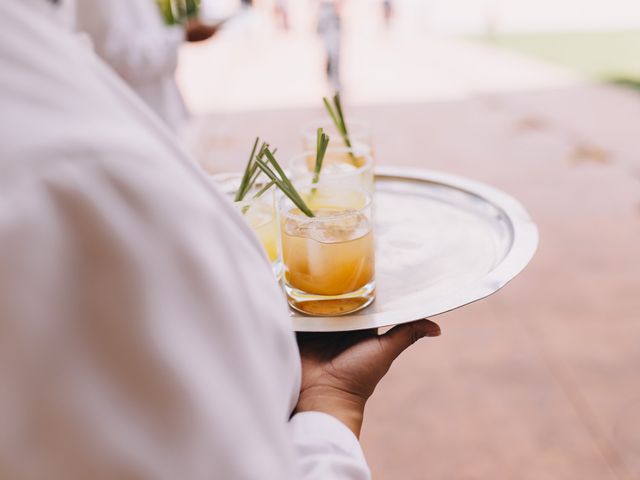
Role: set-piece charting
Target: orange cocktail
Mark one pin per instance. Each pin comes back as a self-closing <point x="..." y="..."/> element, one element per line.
<point x="329" y="259"/>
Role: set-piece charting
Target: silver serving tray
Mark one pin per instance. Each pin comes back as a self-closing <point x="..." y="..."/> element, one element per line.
<point x="442" y="242"/>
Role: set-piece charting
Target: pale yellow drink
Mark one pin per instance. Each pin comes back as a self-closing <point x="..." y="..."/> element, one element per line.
<point x="359" y="134"/>
<point x="342" y="167"/>
<point x="265" y="226"/>
<point x="261" y="215"/>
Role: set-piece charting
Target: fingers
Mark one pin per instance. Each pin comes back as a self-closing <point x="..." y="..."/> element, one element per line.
<point x="396" y="340"/>
<point x="347" y="338"/>
<point x="331" y="344"/>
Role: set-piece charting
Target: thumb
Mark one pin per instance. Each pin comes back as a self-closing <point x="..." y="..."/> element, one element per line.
<point x="400" y="337"/>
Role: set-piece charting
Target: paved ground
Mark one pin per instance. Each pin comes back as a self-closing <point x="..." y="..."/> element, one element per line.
<point x="253" y="66"/>
<point x="542" y="380"/>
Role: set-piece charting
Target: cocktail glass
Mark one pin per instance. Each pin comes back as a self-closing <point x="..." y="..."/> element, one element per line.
<point x="261" y="215"/>
<point x="359" y="134"/>
<point x="342" y="168"/>
<point x="329" y="262"/>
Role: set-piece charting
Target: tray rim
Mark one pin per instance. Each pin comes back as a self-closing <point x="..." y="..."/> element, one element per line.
<point x="523" y="247"/>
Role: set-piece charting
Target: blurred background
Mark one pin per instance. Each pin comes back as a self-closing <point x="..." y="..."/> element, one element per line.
<point x="538" y="98"/>
<point x="407" y="50"/>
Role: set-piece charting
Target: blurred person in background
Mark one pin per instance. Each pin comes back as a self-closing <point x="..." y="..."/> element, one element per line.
<point x="329" y="28"/>
<point x="131" y="36"/>
<point x="142" y="333"/>
<point x="281" y="12"/>
<point x="387" y="12"/>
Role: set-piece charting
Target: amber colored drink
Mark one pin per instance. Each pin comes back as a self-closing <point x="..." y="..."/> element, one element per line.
<point x="329" y="260"/>
<point x="332" y="267"/>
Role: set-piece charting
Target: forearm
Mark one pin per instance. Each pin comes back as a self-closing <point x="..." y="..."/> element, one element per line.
<point x="344" y="406"/>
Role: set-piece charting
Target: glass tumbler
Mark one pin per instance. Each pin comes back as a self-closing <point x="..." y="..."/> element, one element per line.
<point x="329" y="259"/>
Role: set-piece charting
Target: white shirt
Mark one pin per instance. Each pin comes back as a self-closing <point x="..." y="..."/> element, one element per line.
<point x="61" y="11"/>
<point x="142" y="335"/>
<point x="132" y="38"/>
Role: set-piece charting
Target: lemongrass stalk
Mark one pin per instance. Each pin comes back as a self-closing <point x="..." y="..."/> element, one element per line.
<point x="337" y="116"/>
<point x="282" y="182"/>
<point x="321" y="149"/>
<point x="247" y="173"/>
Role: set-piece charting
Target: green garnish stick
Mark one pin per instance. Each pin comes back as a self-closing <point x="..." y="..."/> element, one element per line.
<point x="338" y="104"/>
<point x="264" y="189"/>
<point x="337" y="116"/>
<point x="283" y="183"/>
<point x="321" y="150"/>
<point x="283" y="176"/>
<point x="244" y="183"/>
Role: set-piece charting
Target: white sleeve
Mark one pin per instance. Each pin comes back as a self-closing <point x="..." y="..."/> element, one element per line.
<point x="142" y="334"/>
<point x="131" y="38"/>
<point x="131" y="348"/>
<point x="326" y="448"/>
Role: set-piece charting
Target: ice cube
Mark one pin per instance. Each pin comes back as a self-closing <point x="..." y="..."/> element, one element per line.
<point x="335" y="229"/>
<point x="257" y="217"/>
<point x="297" y="227"/>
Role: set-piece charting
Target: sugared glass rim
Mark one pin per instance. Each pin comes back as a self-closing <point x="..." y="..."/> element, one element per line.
<point x="309" y="186"/>
<point x="264" y="198"/>
<point x="368" y="164"/>
<point x="222" y="180"/>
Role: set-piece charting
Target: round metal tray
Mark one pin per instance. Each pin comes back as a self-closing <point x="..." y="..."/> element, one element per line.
<point x="442" y="242"/>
